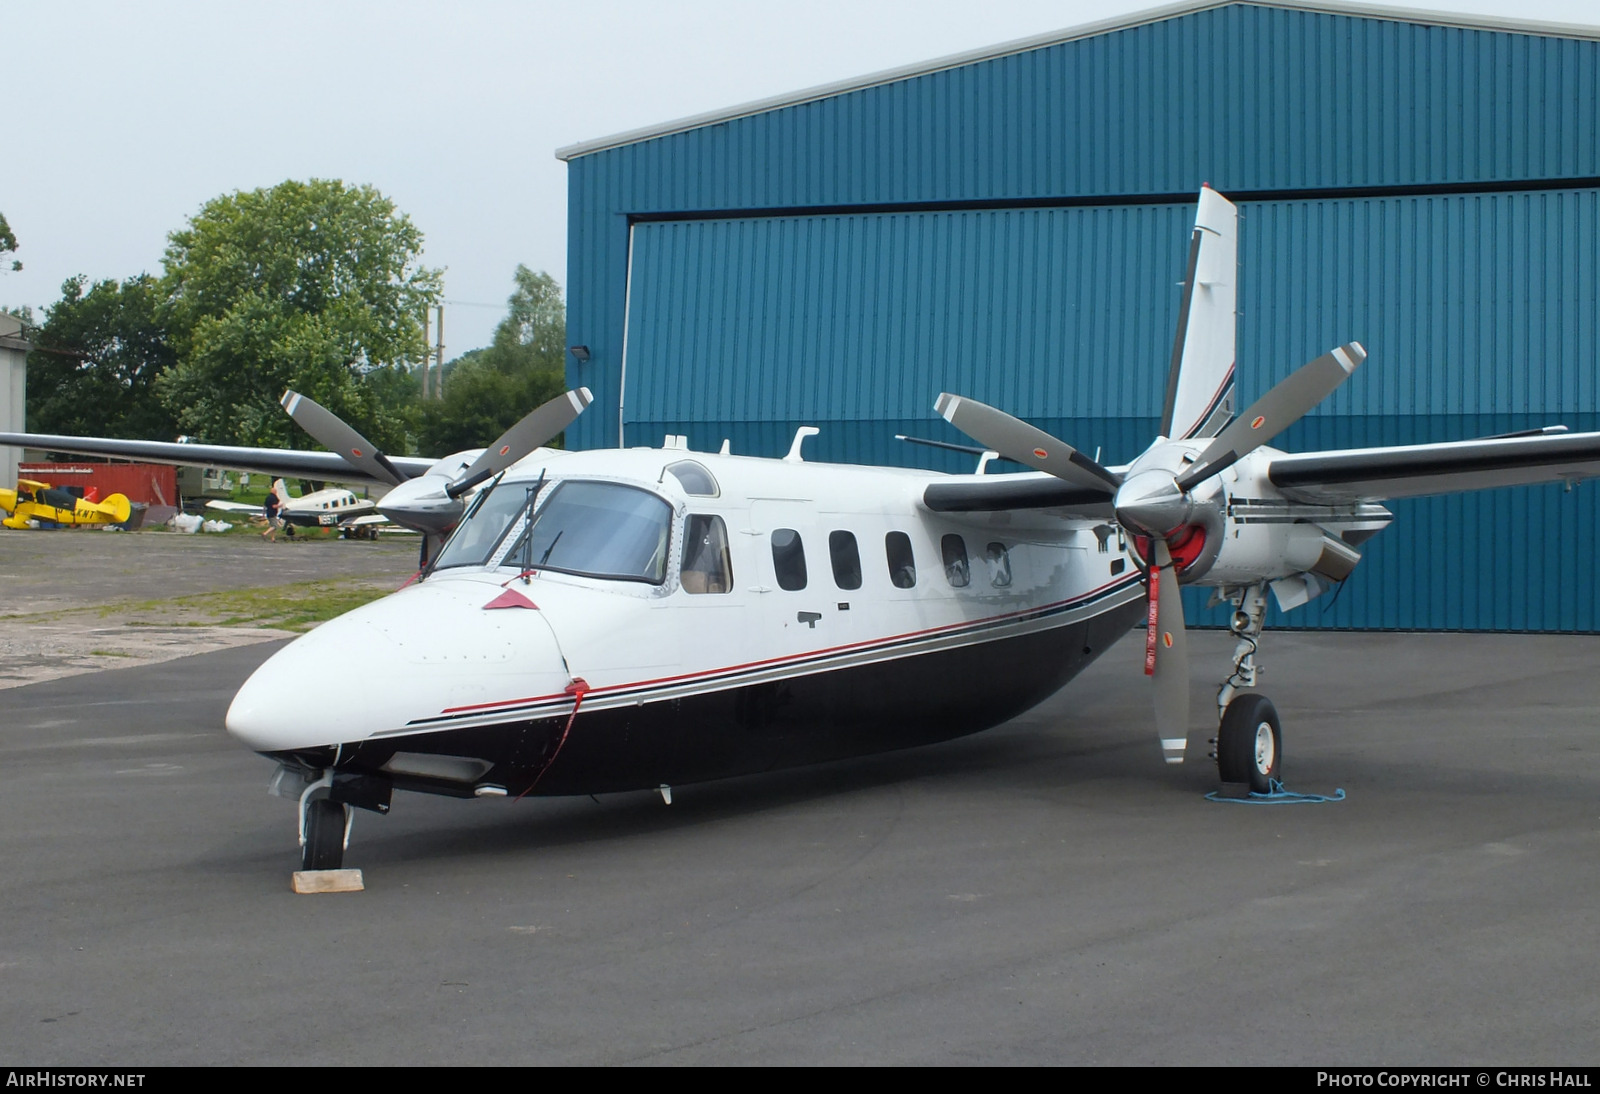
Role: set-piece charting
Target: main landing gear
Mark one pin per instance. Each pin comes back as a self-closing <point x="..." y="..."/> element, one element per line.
<point x="1249" y="741"/>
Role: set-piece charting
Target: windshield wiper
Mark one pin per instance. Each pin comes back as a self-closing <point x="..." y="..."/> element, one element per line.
<point x="546" y="556"/>
<point x="527" y="536"/>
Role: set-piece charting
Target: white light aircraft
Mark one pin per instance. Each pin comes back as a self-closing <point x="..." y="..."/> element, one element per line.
<point x="330" y="507"/>
<point x="632" y="619"/>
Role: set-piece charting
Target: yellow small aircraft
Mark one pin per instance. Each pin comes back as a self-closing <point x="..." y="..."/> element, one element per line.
<point x="49" y="505"/>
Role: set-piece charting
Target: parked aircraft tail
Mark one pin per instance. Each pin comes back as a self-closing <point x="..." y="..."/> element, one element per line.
<point x="1200" y="398"/>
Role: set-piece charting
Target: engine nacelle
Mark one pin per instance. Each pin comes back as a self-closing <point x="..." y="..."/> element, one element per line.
<point x="1268" y="537"/>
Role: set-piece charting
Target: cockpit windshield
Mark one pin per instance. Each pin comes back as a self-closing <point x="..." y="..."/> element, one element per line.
<point x="484" y="527"/>
<point x="598" y="529"/>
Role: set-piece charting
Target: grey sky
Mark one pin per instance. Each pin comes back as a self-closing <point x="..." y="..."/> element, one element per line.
<point x="123" y="119"/>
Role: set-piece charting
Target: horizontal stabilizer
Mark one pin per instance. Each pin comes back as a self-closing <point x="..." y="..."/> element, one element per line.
<point x="1408" y="471"/>
<point x="998" y="493"/>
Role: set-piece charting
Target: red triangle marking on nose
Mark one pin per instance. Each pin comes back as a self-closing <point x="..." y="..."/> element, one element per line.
<point x="510" y="599"/>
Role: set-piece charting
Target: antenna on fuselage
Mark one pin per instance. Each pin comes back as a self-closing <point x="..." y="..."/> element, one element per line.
<point x="985" y="455"/>
<point x="800" y="436"/>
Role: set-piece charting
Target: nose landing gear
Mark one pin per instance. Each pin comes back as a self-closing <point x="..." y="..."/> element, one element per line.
<point x="324" y="823"/>
<point x="324" y="833"/>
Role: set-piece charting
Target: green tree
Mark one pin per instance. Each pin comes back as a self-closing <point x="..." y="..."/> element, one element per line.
<point x="8" y="242"/>
<point x="95" y="361"/>
<point x="312" y="285"/>
<point x="487" y="390"/>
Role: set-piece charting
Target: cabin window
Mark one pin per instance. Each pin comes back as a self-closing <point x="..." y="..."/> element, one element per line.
<point x="707" y="567"/>
<point x="999" y="561"/>
<point x="957" y="571"/>
<point x="846" y="560"/>
<point x="695" y="480"/>
<point x="788" y="559"/>
<point x="902" y="566"/>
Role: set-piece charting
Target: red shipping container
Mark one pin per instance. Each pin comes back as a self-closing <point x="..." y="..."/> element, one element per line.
<point x="149" y="483"/>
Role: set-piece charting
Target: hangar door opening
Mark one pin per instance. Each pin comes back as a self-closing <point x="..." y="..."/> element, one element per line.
<point x="746" y="327"/>
<point x="1478" y="309"/>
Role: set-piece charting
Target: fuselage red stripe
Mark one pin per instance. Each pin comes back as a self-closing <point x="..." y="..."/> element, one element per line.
<point x="973" y="624"/>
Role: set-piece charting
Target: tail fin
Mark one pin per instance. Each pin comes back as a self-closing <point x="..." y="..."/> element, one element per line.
<point x="1200" y="398"/>
<point x="117" y="507"/>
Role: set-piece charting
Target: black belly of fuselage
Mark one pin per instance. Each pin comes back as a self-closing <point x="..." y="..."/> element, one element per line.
<point x="803" y="719"/>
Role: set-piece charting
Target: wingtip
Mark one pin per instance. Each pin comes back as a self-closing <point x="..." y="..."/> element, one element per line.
<point x="290" y="400"/>
<point x="945" y="405"/>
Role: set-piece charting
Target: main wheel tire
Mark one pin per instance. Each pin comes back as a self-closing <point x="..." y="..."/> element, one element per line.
<point x="324" y="846"/>
<point x="1250" y="743"/>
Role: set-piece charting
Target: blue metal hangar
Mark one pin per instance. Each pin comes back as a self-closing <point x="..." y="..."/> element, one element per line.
<point x="1012" y="224"/>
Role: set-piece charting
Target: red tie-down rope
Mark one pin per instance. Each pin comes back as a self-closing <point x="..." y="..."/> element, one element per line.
<point x="577" y="689"/>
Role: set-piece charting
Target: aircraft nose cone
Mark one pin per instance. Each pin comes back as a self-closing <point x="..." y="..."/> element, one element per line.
<point x="1151" y="502"/>
<point x="392" y="666"/>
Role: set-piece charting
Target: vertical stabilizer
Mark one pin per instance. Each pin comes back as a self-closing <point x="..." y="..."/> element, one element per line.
<point x="1200" y="396"/>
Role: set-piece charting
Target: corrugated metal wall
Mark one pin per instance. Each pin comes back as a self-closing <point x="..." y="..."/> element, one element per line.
<point x="1479" y="307"/>
<point x="867" y="318"/>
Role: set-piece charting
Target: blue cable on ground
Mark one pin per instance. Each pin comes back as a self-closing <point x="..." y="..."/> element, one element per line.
<point x="1278" y="796"/>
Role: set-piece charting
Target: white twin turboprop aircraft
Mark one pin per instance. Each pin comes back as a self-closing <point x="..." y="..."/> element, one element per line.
<point x="628" y="619"/>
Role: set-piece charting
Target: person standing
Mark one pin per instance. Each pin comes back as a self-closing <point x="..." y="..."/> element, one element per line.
<point x="274" y="510"/>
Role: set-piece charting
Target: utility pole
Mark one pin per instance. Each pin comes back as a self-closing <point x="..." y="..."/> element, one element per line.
<point x="426" y="359"/>
<point x="438" y="392"/>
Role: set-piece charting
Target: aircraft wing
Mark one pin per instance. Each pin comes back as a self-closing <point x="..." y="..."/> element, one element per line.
<point x="994" y="493"/>
<point x="1407" y="471"/>
<point x="288" y="462"/>
<point x="234" y="506"/>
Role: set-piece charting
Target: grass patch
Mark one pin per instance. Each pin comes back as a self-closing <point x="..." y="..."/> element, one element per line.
<point x="109" y="653"/>
<point x="296" y="607"/>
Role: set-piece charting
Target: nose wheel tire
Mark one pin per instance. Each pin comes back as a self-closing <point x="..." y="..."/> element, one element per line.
<point x="325" y="828"/>
<point x="1250" y="743"/>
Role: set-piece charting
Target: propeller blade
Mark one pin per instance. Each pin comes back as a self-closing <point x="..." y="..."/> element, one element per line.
<point x="1016" y="440"/>
<point x="335" y="434"/>
<point x="1167" y="656"/>
<point x="1275" y="411"/>
<point x="540" y="425"/>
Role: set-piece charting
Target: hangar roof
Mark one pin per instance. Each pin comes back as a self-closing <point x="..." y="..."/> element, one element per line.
<point x="1038" y="41"/>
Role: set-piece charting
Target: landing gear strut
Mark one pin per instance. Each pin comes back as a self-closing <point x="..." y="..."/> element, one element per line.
<point x="1249" y="740"/>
